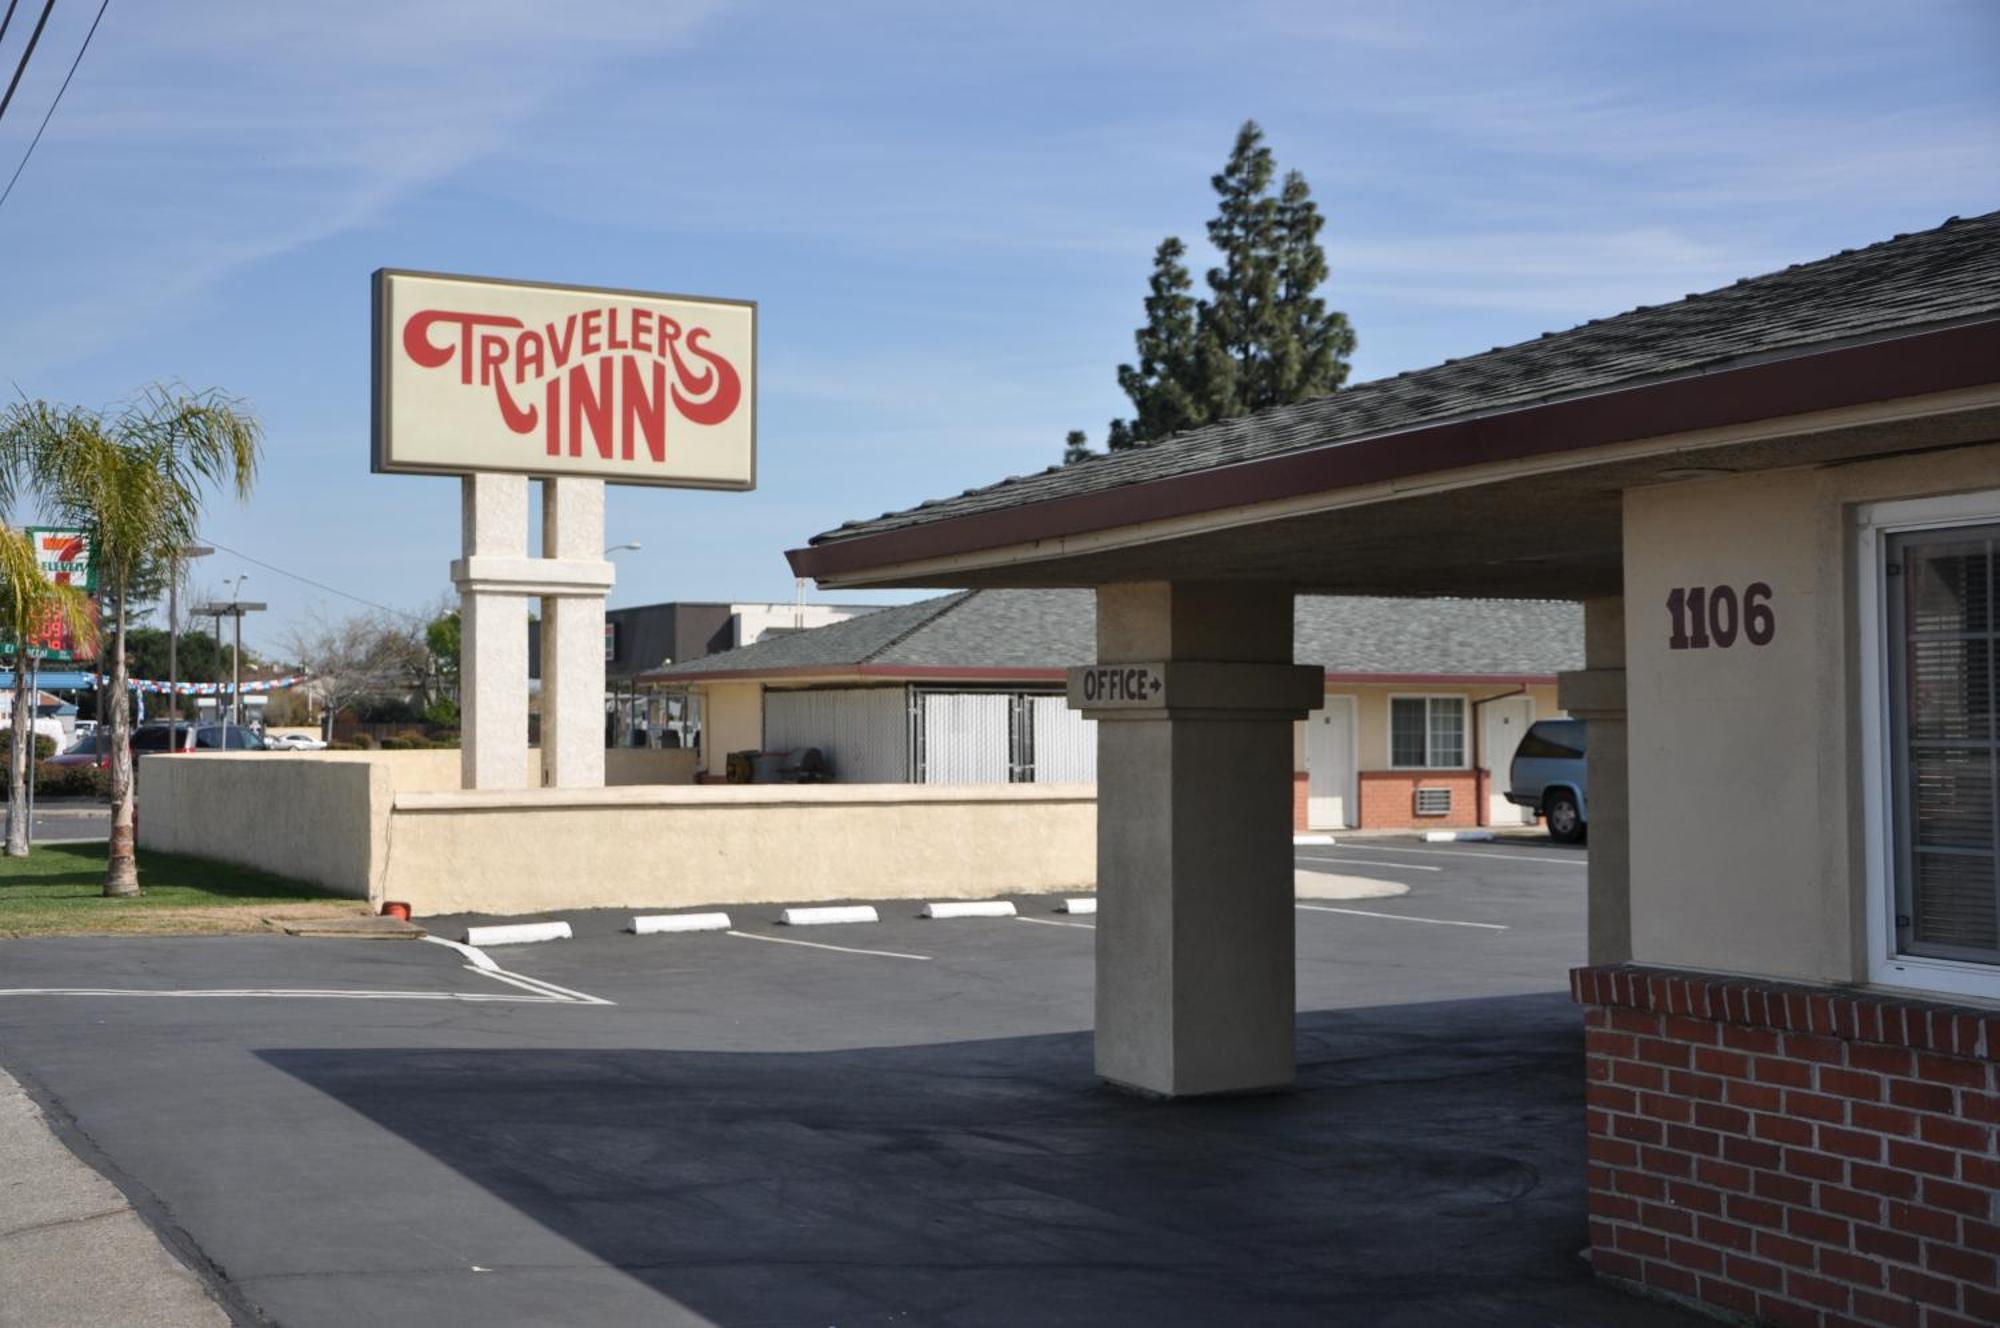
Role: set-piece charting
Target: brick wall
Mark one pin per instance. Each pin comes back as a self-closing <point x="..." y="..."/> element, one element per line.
<point x="1388" y="799"/>
<point x="1796" y="1155"/>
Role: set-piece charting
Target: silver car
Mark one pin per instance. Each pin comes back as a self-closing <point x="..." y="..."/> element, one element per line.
<point x="1548" y="777"/>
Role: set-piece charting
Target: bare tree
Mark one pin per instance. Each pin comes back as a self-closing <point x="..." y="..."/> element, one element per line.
<point x="364" y="657"/>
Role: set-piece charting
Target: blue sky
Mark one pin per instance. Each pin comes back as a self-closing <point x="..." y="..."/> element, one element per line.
<point x="946" y="212"/>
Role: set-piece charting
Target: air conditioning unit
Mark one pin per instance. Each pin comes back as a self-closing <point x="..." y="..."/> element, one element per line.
<point x="1433" y="802"/>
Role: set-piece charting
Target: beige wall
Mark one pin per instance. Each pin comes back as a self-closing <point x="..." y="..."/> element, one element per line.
<point x="1746" y="808"/>
<point x="313" y="816"/>
<point x="394" y="825"/>
<point x="669" y="848"/>
<point x="732" y="720"/>
<point x="1371" y="711"/>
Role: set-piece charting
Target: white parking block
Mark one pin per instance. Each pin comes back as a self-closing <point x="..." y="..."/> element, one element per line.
<point x="816" y="917"/>
<point x="517" y="933"/>
<point x="664" y="922"/>
<point x="1312" y="839"/>
<point x="973" y="908"/>
<point x="1079" y="906"/>
<point x="1457" y="836"/>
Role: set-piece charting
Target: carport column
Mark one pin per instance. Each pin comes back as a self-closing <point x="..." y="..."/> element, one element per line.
<point x="1597" y="694"/>
<point x="493" y="621"/>
<point x="1195" y="695"/>
<point x="573" y="636"/>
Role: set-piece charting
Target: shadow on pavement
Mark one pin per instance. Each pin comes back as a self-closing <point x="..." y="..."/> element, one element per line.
<point x="1428" y="1170"/>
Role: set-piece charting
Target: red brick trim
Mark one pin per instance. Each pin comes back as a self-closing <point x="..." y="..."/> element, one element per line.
<point x="1859" y="1016"/>
<point x="1796" y="1154"/>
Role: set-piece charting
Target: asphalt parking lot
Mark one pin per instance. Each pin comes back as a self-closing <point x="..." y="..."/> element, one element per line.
<point x="889" y="1123"/>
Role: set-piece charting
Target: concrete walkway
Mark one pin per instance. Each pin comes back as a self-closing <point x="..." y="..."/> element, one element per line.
<point x="72" y="1251"/>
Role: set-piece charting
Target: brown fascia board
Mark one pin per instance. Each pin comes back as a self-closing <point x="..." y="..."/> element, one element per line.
<point x="1908" y="366"/>
<point x="954" y="673"/>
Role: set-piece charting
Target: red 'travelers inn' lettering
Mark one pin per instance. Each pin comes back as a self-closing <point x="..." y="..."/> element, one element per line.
<point x="604" y="372"/>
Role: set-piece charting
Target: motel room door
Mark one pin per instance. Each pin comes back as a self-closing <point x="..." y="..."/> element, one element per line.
<point x="1332" y="801"/>
<point x="1507" y="722"/>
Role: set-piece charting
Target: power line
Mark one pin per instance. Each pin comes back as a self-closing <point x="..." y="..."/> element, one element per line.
<point x="26" y="56"/>
<point x="9" y="19"/>
<point x="59" y="91"/>
<point x="306" y="580"/>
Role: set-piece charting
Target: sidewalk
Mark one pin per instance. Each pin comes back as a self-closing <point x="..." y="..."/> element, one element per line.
<point x="73" y="1253"/>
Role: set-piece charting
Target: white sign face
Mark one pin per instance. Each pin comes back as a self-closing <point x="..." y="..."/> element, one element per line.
<point x="475" y="374"/>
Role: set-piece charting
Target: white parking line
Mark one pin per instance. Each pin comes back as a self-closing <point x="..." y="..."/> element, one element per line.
<point x="1404" y="917"/>
<point x="1364" y="862"/>
<point x="1492" y="855"/>
<point x="300" y="993"/>
<point x="820" y="945"/>
<point x="1054" y="922"/>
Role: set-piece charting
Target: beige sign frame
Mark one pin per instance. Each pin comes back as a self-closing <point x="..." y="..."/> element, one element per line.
<point x="477" y="408"/>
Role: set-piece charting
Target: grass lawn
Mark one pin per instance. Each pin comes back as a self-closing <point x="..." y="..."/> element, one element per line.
<point x="59" y="888"/>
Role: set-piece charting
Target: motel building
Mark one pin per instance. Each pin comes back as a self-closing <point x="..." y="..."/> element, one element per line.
<point x="1779" y="503"/>
<point x="1424" y="702"/>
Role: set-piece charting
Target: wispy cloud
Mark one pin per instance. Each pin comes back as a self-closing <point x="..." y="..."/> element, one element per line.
<point x="267" y="128"/>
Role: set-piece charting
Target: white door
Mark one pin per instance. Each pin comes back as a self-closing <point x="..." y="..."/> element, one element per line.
<point x="1507" y="721"/>
<point x="1331" y="798"/>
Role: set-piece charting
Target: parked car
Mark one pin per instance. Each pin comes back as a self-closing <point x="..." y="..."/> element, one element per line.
<point x="294" y="742"/>
<point x="95" y="748"/>
<point x="1548" y="777"/>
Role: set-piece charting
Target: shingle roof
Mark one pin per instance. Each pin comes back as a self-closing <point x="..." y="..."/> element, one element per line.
<point x="1913" y="282"/>
<point x="1054" y="629"/>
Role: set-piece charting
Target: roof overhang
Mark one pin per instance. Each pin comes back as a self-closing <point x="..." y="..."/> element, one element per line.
<point x="891" y="674"/>
<point x="1518" y="502"/>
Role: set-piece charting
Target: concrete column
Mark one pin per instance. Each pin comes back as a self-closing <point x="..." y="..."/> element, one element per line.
<point x="493" y="686"/>
<point x="1597" y="694"/>
<point x="573" y="639"/>
<point x="1195" y="694"/>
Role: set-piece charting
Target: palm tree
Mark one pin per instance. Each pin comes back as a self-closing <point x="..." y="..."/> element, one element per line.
<point x="134" y="480"/>
<point x="28" y="601"/>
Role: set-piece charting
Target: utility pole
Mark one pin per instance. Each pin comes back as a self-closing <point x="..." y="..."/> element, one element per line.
<point x="186" y="551"/>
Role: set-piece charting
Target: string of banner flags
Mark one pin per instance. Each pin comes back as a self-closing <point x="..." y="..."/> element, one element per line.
<point x="215" y="688"/>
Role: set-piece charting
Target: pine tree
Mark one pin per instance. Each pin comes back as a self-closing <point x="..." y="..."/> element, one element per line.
<point x="1159" y="386"/>
<point x="1309" y="355"/>
<point x="1239" y="321"/>
<point x="1076" y="447"/>
<point x="1263" y="337"/>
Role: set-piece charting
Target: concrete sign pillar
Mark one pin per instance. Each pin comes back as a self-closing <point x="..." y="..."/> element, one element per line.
<point x="495" y="580"/>
<point x="573" y="638"/>
<point x="493" y="623"/>
<point x="1596" y="694"/>
<point x="1195" y="694"/>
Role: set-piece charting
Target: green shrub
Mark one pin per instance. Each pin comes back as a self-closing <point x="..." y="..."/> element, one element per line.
<point x="343" y="745"/>
<point x="395" y="744"/>
<point x="45" y="746"/>
<point x="72" y="781"/>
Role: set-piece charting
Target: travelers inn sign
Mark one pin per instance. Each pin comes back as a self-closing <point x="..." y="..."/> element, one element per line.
<point x="477" y="374"/>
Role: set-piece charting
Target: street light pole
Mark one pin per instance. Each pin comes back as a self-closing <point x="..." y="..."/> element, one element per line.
<point x="186" y="551"/>
<point x="236" y="608"/>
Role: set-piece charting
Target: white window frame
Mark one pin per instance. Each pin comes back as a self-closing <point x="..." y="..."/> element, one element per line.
<point x="1874" y="523"/>
<point x="1464" y="732"/>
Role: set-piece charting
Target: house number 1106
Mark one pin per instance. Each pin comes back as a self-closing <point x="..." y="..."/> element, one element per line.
<point x="1705" y="616"/>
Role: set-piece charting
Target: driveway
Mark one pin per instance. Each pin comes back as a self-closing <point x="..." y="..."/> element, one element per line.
<point x="890" y="1123"/>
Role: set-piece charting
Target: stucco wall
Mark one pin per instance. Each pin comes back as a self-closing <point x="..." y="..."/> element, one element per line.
<point x="500" y="852"/>
<point x="732" y="721"/>
<point x="394" y="825"/>
<point x="313" y="816"/>
<point x="1371" y="713"/>
<point x="1746" y="807"/>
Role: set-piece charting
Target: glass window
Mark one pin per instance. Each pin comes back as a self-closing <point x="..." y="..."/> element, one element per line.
<point x="1427" y="732"/>
<point x="1946" y="760"/>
